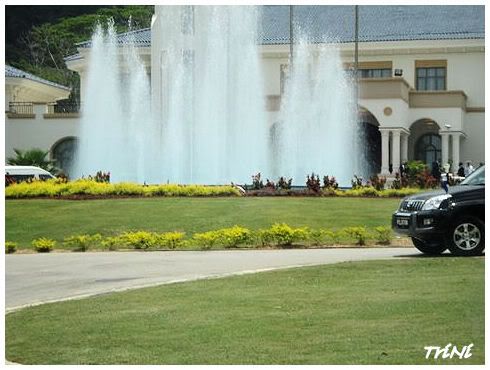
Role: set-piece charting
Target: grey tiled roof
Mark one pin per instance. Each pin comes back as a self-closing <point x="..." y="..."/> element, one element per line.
<point x="376" y="23"/>
<point x="15" y="72"/>
<point x="142" y="38"/>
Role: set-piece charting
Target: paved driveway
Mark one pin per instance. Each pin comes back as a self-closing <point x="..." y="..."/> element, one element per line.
<point x="37" y="278"/>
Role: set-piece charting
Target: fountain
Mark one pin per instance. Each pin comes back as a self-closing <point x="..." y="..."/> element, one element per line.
<point x="204" y="120"/>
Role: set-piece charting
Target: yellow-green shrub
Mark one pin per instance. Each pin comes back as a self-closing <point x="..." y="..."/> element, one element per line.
<point x="383" y="234"/>
<point x="399" y="192"/>
<point x="359" y="233"/>
<point x="206" y="240"/>
<point x="234" y="236"/>
<point x="139" y="239"/>
<point x="111" y="243"/>
<point x="127" y="188"/>
<point x="171" y="240"/>
<point x="319" y="236"/>
<point x="81" y="243"/>
<point x="43" y="245"/>
<point x="55" y="188"/>
<point x="10" y="247"/>
<point x="285" y="235"/>
<point x="367" y="191"/>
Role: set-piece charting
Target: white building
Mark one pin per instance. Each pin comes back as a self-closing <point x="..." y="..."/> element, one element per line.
<point x="421" y="88"/>
<point x="33" y="119"/>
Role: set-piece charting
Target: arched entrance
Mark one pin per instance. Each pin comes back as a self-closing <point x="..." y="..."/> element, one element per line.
<point x="63" y="152"/>
<point x="425" y="141"/>
<point x="371" y="140"/>
<point x="428" y="148"/>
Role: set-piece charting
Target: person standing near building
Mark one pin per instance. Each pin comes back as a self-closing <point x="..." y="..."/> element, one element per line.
<point x="461" y="170"/>
<point x="436" y="171"/>
<point x="468" y="169"/>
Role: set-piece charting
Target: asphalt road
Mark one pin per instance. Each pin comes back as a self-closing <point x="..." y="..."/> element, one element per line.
<point x="38" y="278"/>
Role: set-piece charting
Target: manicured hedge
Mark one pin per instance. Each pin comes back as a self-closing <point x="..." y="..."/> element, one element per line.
<point x="278" y="235"/>
<point x="56" y="188"/>
<point x="369" y="191"/>
<point x="90" y="188"/>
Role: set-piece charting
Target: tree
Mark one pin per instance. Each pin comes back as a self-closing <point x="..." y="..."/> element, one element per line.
<point x="33" y="157"/>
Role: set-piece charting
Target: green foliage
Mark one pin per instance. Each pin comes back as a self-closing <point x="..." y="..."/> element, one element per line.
<point x="41" y="49"/>
<point x="234" y="236"/>
<point x="415" y="168"/>
<point x="317" y="236"/>
<point x="371" y="192"/>
<point x="55" y="188"/>
<point x="111" y="243"/>
<point x="81" y="243"/>
<point x="332" y="236"/>
<point x="43" y="245"/>
<point x="139" y="239"/>
<point x="171" y="240"/>
<point x="383" y="234"/>
<point x="10" y="247"/>
<point x="33" y="157"/>
<point x="264" y="236"/>
<point x="323" y="236"/>
<point x="279" y="234"/>
<point x="207" y="239"/>
<point x="399" y="192"/>
<point x="285" y="235"/>
<point x="359" y="233"/>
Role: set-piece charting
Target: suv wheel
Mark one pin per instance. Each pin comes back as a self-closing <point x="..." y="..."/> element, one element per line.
<point x="433" y="249"/>
<point x="467" y="237"/>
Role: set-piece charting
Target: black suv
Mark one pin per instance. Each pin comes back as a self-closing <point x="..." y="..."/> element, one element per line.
<point x="455" y="220"/>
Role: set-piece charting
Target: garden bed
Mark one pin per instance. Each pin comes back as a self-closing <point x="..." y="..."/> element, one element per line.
<point x="89" y="189"/>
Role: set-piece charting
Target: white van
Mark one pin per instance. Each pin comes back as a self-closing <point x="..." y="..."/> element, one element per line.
<point x="23" y="173"/>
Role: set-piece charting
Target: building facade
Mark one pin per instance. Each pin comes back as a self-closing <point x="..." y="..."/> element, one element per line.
<point x="421" y="85"/>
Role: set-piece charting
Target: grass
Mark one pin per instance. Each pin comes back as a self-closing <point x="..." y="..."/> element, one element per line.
<point x="56" y="219"/>
<point x="381" y="312"/>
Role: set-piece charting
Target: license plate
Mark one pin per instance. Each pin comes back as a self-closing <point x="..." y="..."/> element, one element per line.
<point x="402" y="222"/>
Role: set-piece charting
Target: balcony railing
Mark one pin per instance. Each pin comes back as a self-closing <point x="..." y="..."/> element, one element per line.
<point x="24" y="109"/>
<point x="29" y="110"/>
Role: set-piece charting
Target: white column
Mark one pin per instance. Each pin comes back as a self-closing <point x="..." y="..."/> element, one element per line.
<point x="456" y="136"/>
<point x="395" y="151"/>
<point x="385" y="148"/>
<point x="404" y="140"/>
<point x="444" y="148"/>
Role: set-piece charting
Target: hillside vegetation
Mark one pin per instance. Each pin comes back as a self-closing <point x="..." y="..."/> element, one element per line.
<point x="40" y="37"/>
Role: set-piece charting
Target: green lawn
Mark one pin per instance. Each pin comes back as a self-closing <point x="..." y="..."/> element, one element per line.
<point x="382" y="312"/>
<point x="57" y="219"/>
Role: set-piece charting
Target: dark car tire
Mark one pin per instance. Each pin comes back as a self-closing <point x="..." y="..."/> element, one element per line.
<point x="433" y="249"/>
<point x="466" y="237"/>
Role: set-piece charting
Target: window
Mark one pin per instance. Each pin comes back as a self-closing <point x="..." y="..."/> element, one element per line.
<point x="373" y="69"/>
<point x="375" y="73"/>
<point x="428" y="148"/>
<point x="432" y="78"/>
